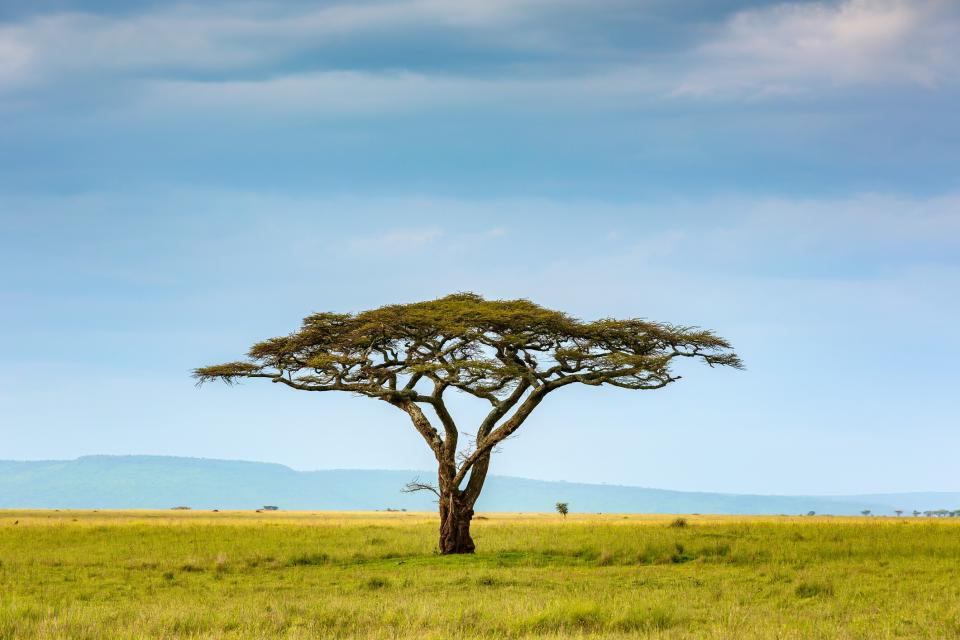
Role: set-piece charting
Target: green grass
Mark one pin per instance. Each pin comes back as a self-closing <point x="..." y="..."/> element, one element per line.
<point x="324" y="575"/>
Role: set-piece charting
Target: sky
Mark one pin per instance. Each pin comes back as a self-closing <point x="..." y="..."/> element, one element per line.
<point x="180" y="180"/>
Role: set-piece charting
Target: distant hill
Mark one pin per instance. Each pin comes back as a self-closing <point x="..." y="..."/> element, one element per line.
<point x="158" y="482"/>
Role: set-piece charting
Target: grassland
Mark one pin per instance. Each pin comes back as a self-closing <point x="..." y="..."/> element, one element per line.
<point x="324" y="575"/>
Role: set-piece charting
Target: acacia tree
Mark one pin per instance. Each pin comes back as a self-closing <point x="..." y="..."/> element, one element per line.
<point x="510" y="354"/>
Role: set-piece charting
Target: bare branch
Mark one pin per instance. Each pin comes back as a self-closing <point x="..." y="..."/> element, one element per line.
<point x="415" y="485"/>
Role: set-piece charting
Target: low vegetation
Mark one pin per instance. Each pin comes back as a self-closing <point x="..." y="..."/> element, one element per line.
<point x="190" y="574"/>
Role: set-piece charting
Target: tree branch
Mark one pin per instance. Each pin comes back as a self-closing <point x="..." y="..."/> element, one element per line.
<point x="451" y="434"/>
<point x="422" y="426"/>
<point x="415" y="485"/>
<point x="505" y="430"/>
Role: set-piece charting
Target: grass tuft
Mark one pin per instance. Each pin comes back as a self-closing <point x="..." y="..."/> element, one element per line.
<point x="813" y="589"/>
<point x="308" y="560"/>
<point x="376" y="583"/>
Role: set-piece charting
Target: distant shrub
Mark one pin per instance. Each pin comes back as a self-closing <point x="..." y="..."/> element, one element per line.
<point x="680" y="556"/>
<point x="180" y="508"/>
<point x="679" y="523"/>
<point x="376" y="583"/>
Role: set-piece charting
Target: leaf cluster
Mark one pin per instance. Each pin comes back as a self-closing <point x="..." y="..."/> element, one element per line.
<point x="488" y="348"/>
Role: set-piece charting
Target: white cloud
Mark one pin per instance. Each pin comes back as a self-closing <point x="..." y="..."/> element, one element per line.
<point x="196" y="58"/>
<point x="745" y="234"/>
<point x="787" y="48"/>
<point x="14" y="60"/>
<point x="240" y="54"/>
<point x="193" y="38"/>
<point x="398" y="241"/>
<point x="394" y="243"/>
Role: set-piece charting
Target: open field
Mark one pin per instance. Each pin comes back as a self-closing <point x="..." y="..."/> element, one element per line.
<point x="140" y="574"/>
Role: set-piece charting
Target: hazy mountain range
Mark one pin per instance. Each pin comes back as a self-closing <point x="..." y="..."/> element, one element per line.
<point x="127" y="482"/>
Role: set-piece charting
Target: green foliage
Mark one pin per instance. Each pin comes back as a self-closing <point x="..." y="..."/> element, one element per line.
<point x="563" y="508"/>
<point x="477" y="345"/>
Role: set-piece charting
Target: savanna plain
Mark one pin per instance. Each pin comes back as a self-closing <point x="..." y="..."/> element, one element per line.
<point x="152" y="574"/>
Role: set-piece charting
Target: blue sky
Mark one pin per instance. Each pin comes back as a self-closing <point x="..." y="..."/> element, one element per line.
<point x="179" y="180"/>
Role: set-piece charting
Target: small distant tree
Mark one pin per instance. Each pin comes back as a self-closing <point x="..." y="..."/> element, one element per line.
<point x="563" y="508"/>
<point x="915" y="513"/>
<point x="899" y="512"/>
<point x="866" y="512"/>
<point x="811" y="513"/>
<point x="508" y="354"/>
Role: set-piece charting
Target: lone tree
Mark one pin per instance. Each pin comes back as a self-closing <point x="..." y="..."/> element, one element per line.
<point x="510" y="354"/>
<point x="563" y="508"/>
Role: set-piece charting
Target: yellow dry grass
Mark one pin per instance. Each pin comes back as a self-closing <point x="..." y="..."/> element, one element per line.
<point x="191" y="574"/>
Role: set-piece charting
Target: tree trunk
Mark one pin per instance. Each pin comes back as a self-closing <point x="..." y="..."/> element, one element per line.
<point x="455" y="517"/>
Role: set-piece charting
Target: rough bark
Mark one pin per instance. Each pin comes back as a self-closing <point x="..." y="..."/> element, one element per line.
<point x="455" y="516"/>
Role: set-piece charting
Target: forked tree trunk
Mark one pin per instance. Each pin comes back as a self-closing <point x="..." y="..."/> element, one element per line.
<point x="455" y="517"/>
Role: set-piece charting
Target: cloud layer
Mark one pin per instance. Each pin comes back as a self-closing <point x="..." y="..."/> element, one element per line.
<point x="346" y="54"/>
<point x="804" y="46"/>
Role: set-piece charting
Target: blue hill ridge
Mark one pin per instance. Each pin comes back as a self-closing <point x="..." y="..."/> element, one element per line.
<point x="161" y="482"/>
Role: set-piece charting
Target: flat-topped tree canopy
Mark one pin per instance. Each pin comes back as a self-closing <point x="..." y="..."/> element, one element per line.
<point x="483" y="347"/>
<point x="510" y="353"/>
